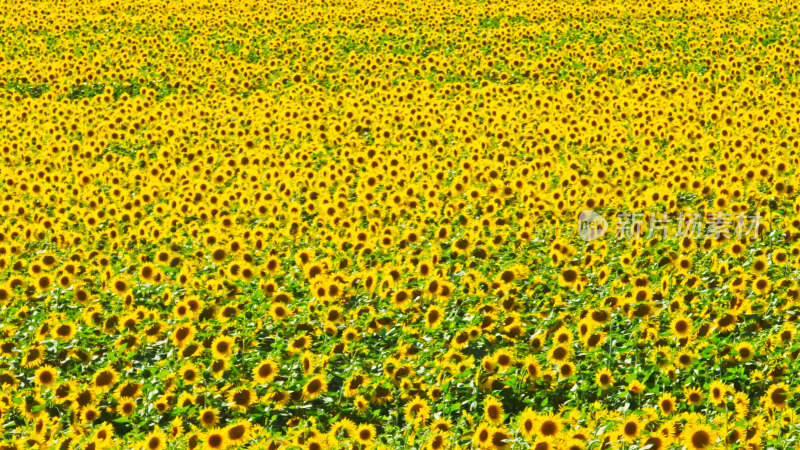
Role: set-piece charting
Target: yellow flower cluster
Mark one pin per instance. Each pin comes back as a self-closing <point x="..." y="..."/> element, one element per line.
<point x="334" y="224"/>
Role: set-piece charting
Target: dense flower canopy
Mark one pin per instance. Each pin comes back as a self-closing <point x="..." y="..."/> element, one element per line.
<point x="352" y="224"/>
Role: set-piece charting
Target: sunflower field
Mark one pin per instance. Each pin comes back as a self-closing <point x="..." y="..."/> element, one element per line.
<point x="399" y="224"/>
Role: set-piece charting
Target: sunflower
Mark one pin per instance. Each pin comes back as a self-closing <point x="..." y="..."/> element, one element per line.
<point x="493" y="410"/>
<point x="104" y="379"/>
<point x="238" y="432"/>
<point x="532" y="368"/>
<point x="482" y="436"/>
<point x="417" y="411"/>
<point x="504" y="358"/>
<point x="559" y="354"/>
<point x="401" y="298"/>
<point x="64" y="331"/>
<point x="566" y="370"/>
<point x="343" y="429"/>
<point x="119" y="286"/>
<point x="548" y="426"/>
<point x="307" y="362"/>
<point x="667" y="403"/>
<point x="300" y="344"/>
<point x="594" y="340"/>
<point x="636" y="387"/>
<point x="735" y="435"/>
<point x="698" y="436"/>
<point x="693" y="395"/>
<point x="462" y="245"/>
<point x="43" y="283"/>
<point x="8" y="348"/>
<point x="222" y="347"/>
<point x="314" y="443"/>
<point x="527" y="423"/>
<point x="315" y="387"/>
<point x="126" y="407"/>
<point x="214" y="439"/>
<point x="630" y="429"/>
<point x="759" y="265"/>
<point x="350" y="334"/>
<point x="681" y="326"/>
<point x="684" y="358"/>
<point x="569" y="277"/>
<point x="543" y="444"/>
<point x="156" y="440"/>
<point x="9" y="381"/>
<point x="501" y="439"/>
<point x="129" y="389"/>
<point x="761" y="285"/>
<point x="208" y="417"/>
<point x="744" y="352"/>
<point x="219" y="255"/>
<point x="190" y="373"/>
<point x="434" y="317"/>
<point x="176" y="428"/>
<point x="265" y="371"/>
<point x="32" y="407"/>
<point x="777" y="396"/>
<point x="353" y="383"/>
<point x="780" y="257"/>
<point x="42" y="423"/>
<point x="604" y="378"/>
<point x="33" y="357"/>
<point x="45" y="376"/>
<point x="218" y="367"/>
<point x="660" y="356"/>
<point x="787" y="333"/>
<point x="5" y="294"/>
<point x="147" y="272"/>
<point x="104" y="434"/>
<point x="736" y="249"/>
<point x="183" y="335"/>
<point x="717" y="391"/>
<point x="279" y="311"/>
<point x="88" y="415"/>
<point x="186" y="400"/>
<point x="361" y="403"/>
<point x="240" y="399"/>
<point x="163" y="403"/>
<point x="654" y="443"/>
<point x="365" y="434"/>
<point x="437" y="442"/>
<point x="442" y="426"/>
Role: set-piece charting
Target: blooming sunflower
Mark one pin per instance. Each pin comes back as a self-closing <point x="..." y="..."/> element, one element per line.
<point x="156" y="440"/>
<point x="238" y="432"/>
<point x="45" y="376"/>
<point x="493" y="410"/>
<point x="265" y="371"/>
<point x="434" y="317"/>
<point x="365" y="434"/>
<point x="417" y="411"/>
<point x="604" y="378"/>
<point x="33" y="357"/>
<point x="208" y="417"/>
<point x="777" y="396"/>
<point x="315" y="387"/>
<point x="527" y="423"/>
<point x="214" y="439"/>
<point x="222" y="347"/>
<point x="717" y="392"/>
<point x="698" y="436"/>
